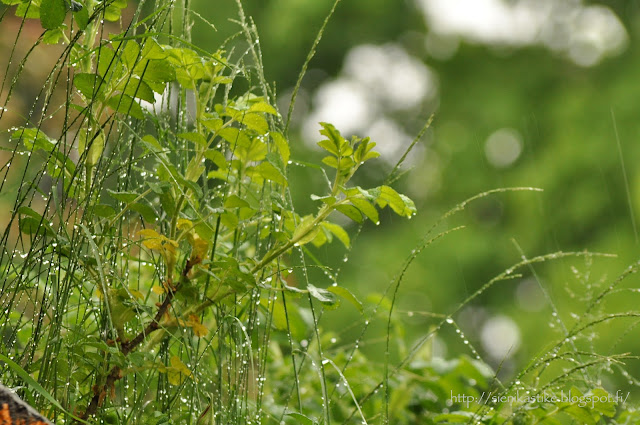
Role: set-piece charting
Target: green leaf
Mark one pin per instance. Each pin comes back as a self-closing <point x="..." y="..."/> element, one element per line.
<point x="53" y="36"/>
<point x="400" y="204"/>
<point x="159" y="188"/>
<point x="81" y="17"/>
<point x="195" y="138"/>
<point x="90" y="85"/>
<point x="104" y="210"/>
<point x="29" y="10"/>
<point x="304" y="231"/>
<point x="603" y="402"/>
<point x="152" y="143"/>
<point x="235" y="137"/>
<point x="363" y="151"/>
<point x="33" y="222"/>
<point x="338" y="232"/>
<point x="328" y="299"/>
<point x="126" y="197"/>
<point x="331" y="161"/>
<point x="301" y="419"/>
<point x="34" y="139"/>
<point x="147" y="213"/>
<point x="109" y="67"/>
<point x="347" y="295"/>
<point x="114" y="10"/>
<point x="217" y="157"/>
<point x="350" y="211"/>
<point x="256" y="151"/>
<point x="139" y="89"/>
<point x="152" y="50"/>
<point x="366" y="208"/>
<point x="583" y="415"/>
<point x="94" y="142"/>
<point x="156" y="72"/>
<point x="282" y="145"/>
<point x="267" y="171"/>
<point x="130" y="53"/>
<point x="52" y="13"/>
<point x="329" y="146"/>
<point x="334" y="137"/>
<point x="263" y="107"/>
<point x="125" y="104"/>
<point x="234" y="201"/>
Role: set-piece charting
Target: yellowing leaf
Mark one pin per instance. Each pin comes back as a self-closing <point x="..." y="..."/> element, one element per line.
<point x="177" y="364"/>
<point x="158" y="289"/>
<point x="184" y="224"/>
<point x="198" y="328"/>
<point x="136" y="293"/>
<point x="157" y="242"/>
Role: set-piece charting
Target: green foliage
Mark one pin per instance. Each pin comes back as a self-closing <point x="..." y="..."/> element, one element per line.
<point x="160" y="272"/>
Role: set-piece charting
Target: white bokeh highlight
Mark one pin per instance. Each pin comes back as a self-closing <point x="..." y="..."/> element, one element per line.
<point x="503" y="147"/>
<point x="586" y="34"/>
<point x="500" y="337"/>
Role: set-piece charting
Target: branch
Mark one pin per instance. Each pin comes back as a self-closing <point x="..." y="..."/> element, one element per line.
<point x="127" y="347"/>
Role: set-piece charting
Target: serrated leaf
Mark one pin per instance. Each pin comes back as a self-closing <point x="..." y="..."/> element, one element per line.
<point x="267" y="171"/>
<point x="195" y="138"/>
<point x="256" y="151"/>
<point x="347" y="295"/>
<point x="367" y="209"/>
<point x="263" y="107"/>
<point x="234" y="201"/>
<point x="329" y="146"/>
<point x="125" y="104"/>
<point x="90" y="85"/>
<point x="334" y="137"/>
<point x="151" y="143"/>
<point x="91" y="145"/>
<point x="152" y="50"/>
<point x="109" y="66"/>
<point x="602" y="402"/>
<point x="126" y="197"/>
<point x="147" y="213"/>
<point x="52" y="13"/>
<point x="139" y="89"/>
<point x="338" y="232"/>
<point x="53" y="36"/>
<point x="217" y="157"/>
<point x="155" y="70"/>
<point x="81" y="17"/>
<point x="254" y="122"/>
<point x="331" y="161"/>
<point x="282" y="145"/>
<point x="350" y="211"/>
<point x="400" y="204"/>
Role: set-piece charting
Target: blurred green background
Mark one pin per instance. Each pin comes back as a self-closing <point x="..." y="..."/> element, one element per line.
<point x="525" y="93"/>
